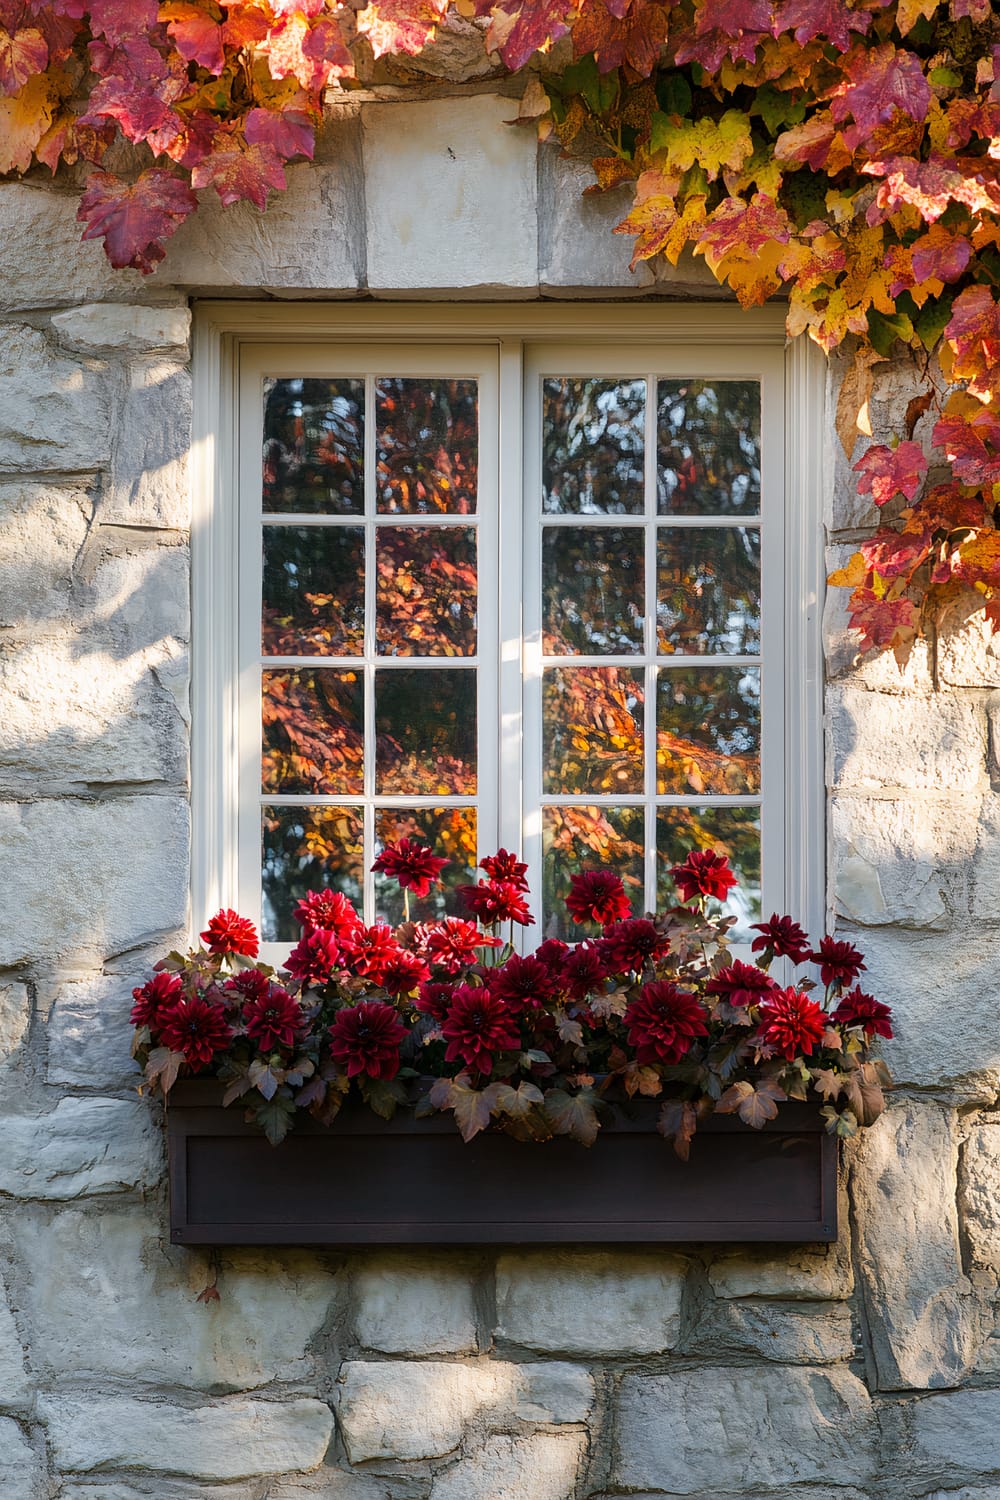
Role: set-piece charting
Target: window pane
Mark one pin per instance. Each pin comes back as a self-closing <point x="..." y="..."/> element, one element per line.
<point x="593" y="587"/>
<point x="451" y="834"/>
<point x="425" y="581"/>
<point x="588" y="838"/>
<point x="313" y="732"/>
<point x="593" y="440"/>
<point x="314" y="591"/>
<point x="314" y="446"/>
<point x="425" y="732"/>
<point x="708" y="450"/>
<point x="305" y="849"/>
<point x="592" y="730"/>
<point x="428" y="445"/>
<point x="733" y="831"/>
<point x="708" y="730"/>
<point x="708" y="590"/>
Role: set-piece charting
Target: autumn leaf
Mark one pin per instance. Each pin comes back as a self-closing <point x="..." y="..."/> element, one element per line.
<point x="24" y="119"/>
<point x="619" y="37"/>
<point x="520" y="28"/>
<point x="886" y="472"/>
<point x="973" y="332"/>
<point x="275" y="1117"/>
<point x="196" y="34"/>
<point x="714" y="145"/>
<point x="135" y="218"/>
<point x="473" y="1107"/>
<point x="829" y="21"/>
<point x="520" y="1102"/>
<point x="287" y="132"/>
<point x="677" y="1122"/>
<point x="400" y="26"/>
<point x="573" y="1114"/>
<point x="878" y="82"/>
<point x="852" y="401"/>
<point x="117" y="20"/>
<point x="22" y="55"/>
<point x="162" y="1068"/>
<point x="883" y="623"/>
<point x="863" y="1092"/>
<point x="241" y="173"/>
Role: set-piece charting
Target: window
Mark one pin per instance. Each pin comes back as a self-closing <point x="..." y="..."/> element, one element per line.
<point x="476" y="579"/>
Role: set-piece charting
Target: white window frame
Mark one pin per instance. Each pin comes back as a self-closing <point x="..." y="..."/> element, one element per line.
<point x="702" y="340"/>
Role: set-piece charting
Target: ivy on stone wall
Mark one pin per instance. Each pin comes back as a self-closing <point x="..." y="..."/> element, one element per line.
<point x="843" y="155"/>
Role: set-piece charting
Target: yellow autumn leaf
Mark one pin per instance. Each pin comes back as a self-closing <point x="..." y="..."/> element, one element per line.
<point x="24" y="119"/>
<point x="712" y="145"/>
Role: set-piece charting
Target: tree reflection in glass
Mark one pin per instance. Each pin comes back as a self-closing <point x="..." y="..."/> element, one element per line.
<point x="313" y="451"/>
<point x="451" y="833"/>
<point x="314" y="591"/>
<point x="305" y="849"/>
<point x="592" y="730"/>
<point x="588" y="838"/>
<point x="593" y="441"/>
<point x="427" y="437"/>
<point x="425" y="732"/>
<point x="733" y="831"/>
<point x="593" y="590"/>
<point x="313" y="732"/>
<point x="708" y="590"/>
<point x="708" y="730"/>
<point x="425" y="582"/>
<point x="708" y="447"/>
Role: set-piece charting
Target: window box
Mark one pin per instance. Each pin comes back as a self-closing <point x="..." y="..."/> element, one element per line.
<point x="407" y="1181"/>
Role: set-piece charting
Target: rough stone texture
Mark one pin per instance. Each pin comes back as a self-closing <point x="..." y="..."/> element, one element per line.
<point x="43" y="261"/>
<point x="97" y="877"/>
<point x="89" y="1032"/>
<point x="450" y="196"/>
<point x="728" y="1431"/>
<point x="15" y="1014"/>
<point x="541" y="1466"/>
<point x="955" y="1434"/>
<point x="16" y="1387"/>
<point x="224" y="1441"/>
<point x="54" y="411"/>
<point x="578" y="253"/>
<point x="803" y="1333"/>
<point x="424" y="1410"/>
<point x="918" y="1302"/>
<point x="44" y="526"/>
<point x="82" y="1146"/>
<point x="106" y="325"/>
<point x="801" y="1274"/>
<point x="979" y="1194"/>
<point x="332" y="1484"/>
<point x="138" y="593"/>
<point x="105" y="1298"/>
<point x="20" y="1471"/>
<point x="924" y="744"/>
<point x="586" y="1302"/>
<point x="986" y="861"/>
<point x="148" y="482"/>
<point x="408" y="1305"/>
<point x="902" y="862"/>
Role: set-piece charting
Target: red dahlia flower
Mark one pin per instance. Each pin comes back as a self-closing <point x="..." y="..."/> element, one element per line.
<point x="704" y="873"/>
<point x="552" y="954"/>
<point x="315" y="957"/>
<point x="228" y="932"/>
<point x="521" y="982"/>
<point x="365" y="1038"/>
<point x="663" y="1022"/>
<point x="859" y="1009"/>
<point x="506" y="867"/>
<point x="197" y="1029"/>
<point x="597" y="896"/>
<point x="839" y="962"/>
<point x="434" y="998"/>
<point x="250" y="985"/>
<point x="371" y="950"/>
<point x="453" y="944"/>
<point x="404" y="973"/>
<point x="477" y="1026"/>
<point x="628" y="946"/>
<point x="583" y="970"/>
<point x="496" y="901"/>
<point x="274" y="1020"/>
<point x="154" y="999"/>
<point x="790" y="1023"/>
<point x="783" y="937"/>
<point x="741" y="984"/>
<point x="413" y="865"/>
<point x="328" y="909"/>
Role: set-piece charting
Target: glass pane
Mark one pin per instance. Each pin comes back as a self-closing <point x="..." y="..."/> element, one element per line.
<point x="733" y="831"/>
<point x="593" y="590"/>
<point x="313" y="732"/>
<point x="305" y="849"/>
<point x="314" y="591"/>
<point x="593" y="439"/>
<point x="708" y="590"/>
<point x="588" y="838"/>
<point x="425" y="591"/>
<point x="425" y="732"/>
<point x="708" y="730"/>
<point x="428" y="445"/>
<point x="708" y="448"/>
<point x="450" y="833"/>
<point x="314" y="446"/>
<point x="592" y="730"/>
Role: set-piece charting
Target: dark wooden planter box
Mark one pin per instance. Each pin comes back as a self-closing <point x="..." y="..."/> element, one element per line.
<point x="367" y="1181"/>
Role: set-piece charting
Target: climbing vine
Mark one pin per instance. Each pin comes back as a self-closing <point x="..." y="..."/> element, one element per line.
<point x="843" y="155"/>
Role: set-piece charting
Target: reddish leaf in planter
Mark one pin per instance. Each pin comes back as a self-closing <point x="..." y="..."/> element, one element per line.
<point x="573" y="1114"/>
<point x="886" y="472"/>
<point x="135" y="218"/>
<point x="22" y="55"/>
<point x="239" y="173"/>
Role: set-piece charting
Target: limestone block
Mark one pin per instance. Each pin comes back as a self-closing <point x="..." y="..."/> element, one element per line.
<point x="968" y="652"/>
<point x="732" y="1430"/>
<point x="588" y="1302"/>
<point x="878" y="671"/>
<point x="539" y="1466"/>
<point x="880" y="740"/>
<point x="979" y="1194"/>
<point x="332" y="1484"/>
<point x="114" y="325"/>
<point x="902" y="861"/>
<point x="15" y="1014"/>
<point x="227" y="1440"/>
<point x="20" y="1471"/>
<point x="423" y="1410"/>
<point x="955" y="1433"/>
<point x="918" y="1303"/>
<point x="92" y="878"/>
<point x="54" y="411"/>
<point x="82" y="1146"/>
<point x="413" y="1305"/>
<point x="148" y="484"/>
<point x="43" y="261"/>
<point x="578" y="251"/>
<point x="457" y="53"/>
<point x="158" y="1488"/>
<point x="16" y="1388"/>
<point x="986" y="861"/>
<point x="803" y="1333"/>
<point x="802" y="1274"/>
<point x="450" y="196"/>
<point x="42" y="528"/>
<point x="139" y="596"/>
<point x="89" y="1032"/>
<point x="105" y="1298"/>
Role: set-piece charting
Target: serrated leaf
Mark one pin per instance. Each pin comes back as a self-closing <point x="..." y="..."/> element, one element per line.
<point x="263" y="1079"/>
<point x="383" y="1095"/>
<point x="520" y="1102"/>
<point x="162" y="1068"/>
<point x="573" y="1114"/>
<point x="135" y="218"/>
<point x="677" y="1122"/>
<point x="275" y="1117"/>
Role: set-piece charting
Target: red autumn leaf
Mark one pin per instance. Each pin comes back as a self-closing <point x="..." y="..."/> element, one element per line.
<point x="136" y="88"/>
<point x="746" y="227"/>
<point x="971" y="445"/>
<point x="288" y="7"/>
<point x="973" y="331"/>
<point x="244" y="26"/>
<point x="135" y="218"/>
<point x="725" y="28"/>
<point x="241" y="173"/>
<point x="290" y="133"/>
<point x="115" y="20"/>
<point x="324" y="46"/>
<point x="930" y="186"/>
<point x="635" y="40"/>
<point x="808" y="144"/>
<point x="886" y="472"/>
<point x="883" y="624"/>
<point x="880" y="80"/>
<point x="939" y="254"/>
<point x="394" y="26"/>
<point x="22" y="55"/>
<point x="891" y="554"/>
<point x="826" y="20"/>
<point x="196" y="34"/>
<point x="520" y="28"/>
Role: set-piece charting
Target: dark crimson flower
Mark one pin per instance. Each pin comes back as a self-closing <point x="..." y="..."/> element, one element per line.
<point x="274" y="1020"/>
<point x="453" y="943"/>
<point x="839" y="962"/>
<point x="434" y="998"/>
<point x="630" y="945"/>
<point x="741" y="984"/>
<point x="477" y="1026"/>
<point x="413" y="865"/>
<point x="228" y="932"/>
<point x="521" y="982"/>
<point x="329" y="910"/>
<point x="250" y="985"/>
<point x="704" y="873"/>
<point x="506" y="867"/>
<point x="154" y="999"/>
<point x="583" y="970"/>
<point x="859" y="1009"/>
<point x="404" y="973"/>
<point x="315" y="957"/>
<point x="198" y="1029"/>
<point x="365" y="1038"/>
<point x="552" y="953"/>
<point x="783" y="937"/>
<point x="496" y="901"/>
<point x="663" y="1022"/>
<point x="370" y="951"/>
<point x="597" y="896"/>
<point x="790" y="1023"/>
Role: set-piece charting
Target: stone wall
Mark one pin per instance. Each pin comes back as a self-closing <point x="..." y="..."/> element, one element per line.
<point x="869" y="1367"/>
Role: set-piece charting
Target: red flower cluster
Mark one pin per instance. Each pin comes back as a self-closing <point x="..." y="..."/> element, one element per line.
<point x="227" y="932"/>
<point x="627" y="947"/>
<point x="155" y="999"/>
<point x="740" y="984"/>
<point x="198" y="1029"/>
<point x="329" y="910"/>
<point x="781" y="937"/>
<point x="704" y="873"/>
<point x="860" y="1010"/>
<point x="412" y="864"/>
<point x="791" y="1024"/>
<point x="478" y="1026"/>
<point x="597" y="896"/>
<point x="505" y="867"/>
<point x="366" y="1038"/>
<point x="494" y="901"/>
<point x="663" y="1022"/>
<point x="839" y="963"/>
<point x="273" y="1019"/>
<point x="452" y="945"/>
